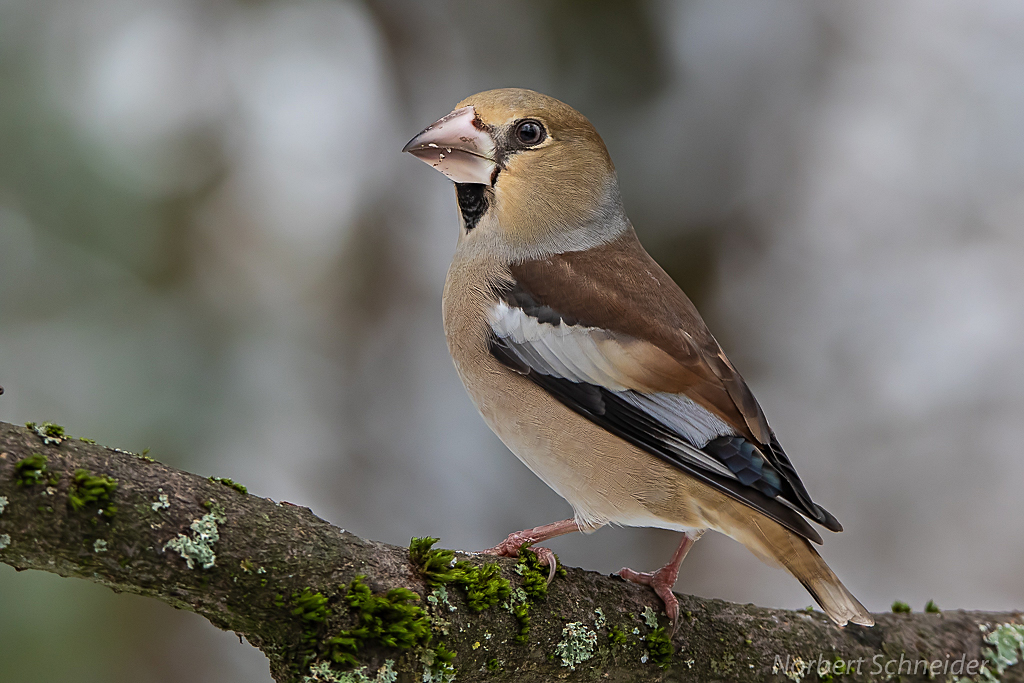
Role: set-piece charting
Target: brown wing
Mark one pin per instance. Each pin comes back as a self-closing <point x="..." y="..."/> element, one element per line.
<point x="619" y="288"/>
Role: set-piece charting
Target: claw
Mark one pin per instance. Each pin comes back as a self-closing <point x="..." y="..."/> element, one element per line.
<point x="661" y="581"/>
<point x="546" y="557"/>
<point x="511" y="546"/>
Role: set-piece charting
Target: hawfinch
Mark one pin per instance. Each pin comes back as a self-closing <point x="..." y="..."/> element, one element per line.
<point x="590" y="363"/>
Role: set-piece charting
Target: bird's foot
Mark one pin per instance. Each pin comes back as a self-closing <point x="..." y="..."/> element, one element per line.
<point x="511" y="546"/>
<point x="661" y="581"/>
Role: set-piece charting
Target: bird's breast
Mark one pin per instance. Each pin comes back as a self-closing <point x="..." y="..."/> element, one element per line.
<point x="604" y="478"/>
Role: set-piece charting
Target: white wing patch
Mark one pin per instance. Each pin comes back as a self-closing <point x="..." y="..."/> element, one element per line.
<point x="574" y="352"/>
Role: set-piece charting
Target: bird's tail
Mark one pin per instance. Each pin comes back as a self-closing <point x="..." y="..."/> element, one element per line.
<point x="778" y="546"/>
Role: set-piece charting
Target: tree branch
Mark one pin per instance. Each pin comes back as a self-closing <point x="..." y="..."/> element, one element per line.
<point x="283" y="578"/>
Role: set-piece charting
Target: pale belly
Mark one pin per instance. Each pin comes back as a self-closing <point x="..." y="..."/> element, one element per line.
<point x="605" y="479"/>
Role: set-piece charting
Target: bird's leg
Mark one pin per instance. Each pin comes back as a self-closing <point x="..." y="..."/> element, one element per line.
<point x="663" y="579"/>
<point x="511" y="545"/>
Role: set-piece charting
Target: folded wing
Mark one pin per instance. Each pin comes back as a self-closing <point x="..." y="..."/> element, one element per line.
<point x="635" y="358"/>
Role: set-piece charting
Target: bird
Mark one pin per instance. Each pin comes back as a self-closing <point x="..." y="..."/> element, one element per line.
<point x="590" y="363"/>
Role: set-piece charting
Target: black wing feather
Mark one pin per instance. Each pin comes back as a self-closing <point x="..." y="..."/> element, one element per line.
<point x="604" y="408"/>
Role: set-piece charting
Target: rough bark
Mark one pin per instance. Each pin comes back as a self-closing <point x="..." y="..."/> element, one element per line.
<point x="268" y="553"/>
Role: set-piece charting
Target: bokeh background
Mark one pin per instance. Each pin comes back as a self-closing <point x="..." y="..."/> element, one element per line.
<point x="211" y="246"/>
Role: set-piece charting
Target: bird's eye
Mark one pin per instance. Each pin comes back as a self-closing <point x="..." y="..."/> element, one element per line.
<point x="530" y="132"/>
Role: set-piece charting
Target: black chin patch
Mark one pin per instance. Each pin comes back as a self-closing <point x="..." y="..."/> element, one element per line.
<point x="473" y="202"/>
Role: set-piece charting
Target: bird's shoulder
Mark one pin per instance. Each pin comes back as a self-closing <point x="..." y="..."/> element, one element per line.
<point x="620" y="288"/>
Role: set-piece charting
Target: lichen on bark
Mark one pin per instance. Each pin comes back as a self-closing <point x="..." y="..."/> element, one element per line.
<point x="283" y="576"/>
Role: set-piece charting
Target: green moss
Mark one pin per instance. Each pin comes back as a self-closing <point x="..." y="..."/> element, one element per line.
<point x="30" y="470"/>
<point x="443" y="655"/>
<point x="91" y="489"/>
<point x="931" y="608"/>
<point x="616" y="636"/>
<point x="534" y="587"/>
<point x="535" y="575"/>
<point x="230" y="483"/>
<point x="484" y="585"/>
<point x="522" y="614"/>
<point x="437" y="565"/>
<point x="900" y="607"/>
<point x="310" y="606"/>
<point x="659" y="644"/>
<point x="391" y="620"/>
<point x="85" y="440"/>
<point x="493" y="665"/>
<point x="438" y="665"/>
<point x="51" y="434"/>
<point x="724" y="667"/>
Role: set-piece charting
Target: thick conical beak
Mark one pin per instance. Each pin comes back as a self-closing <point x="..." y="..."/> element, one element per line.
<point x="458" y="146"/>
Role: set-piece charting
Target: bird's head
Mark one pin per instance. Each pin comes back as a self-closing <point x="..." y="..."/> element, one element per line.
<point x="531" y="173"/>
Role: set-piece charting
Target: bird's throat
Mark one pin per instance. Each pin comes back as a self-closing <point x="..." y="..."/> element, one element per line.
<point x="474" y="200"/>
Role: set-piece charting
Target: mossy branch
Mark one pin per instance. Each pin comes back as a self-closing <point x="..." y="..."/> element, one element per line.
<point x="325" y="605"/>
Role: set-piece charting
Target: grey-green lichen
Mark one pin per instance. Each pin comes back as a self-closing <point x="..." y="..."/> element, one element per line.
<point x="5" y="540"/>
<point x="322" y="672"/>
<point x="51" y="434"/>
<point x="162" y="502"/>
<point x="198" y="548"/>
<point x="650" y="617"/>
<point x="439" y="597"/>
<point x="577" y="644"/>
<point x="99" y="546"/>
<point x="1007" y="641"/>
<point x="3" y="504"/>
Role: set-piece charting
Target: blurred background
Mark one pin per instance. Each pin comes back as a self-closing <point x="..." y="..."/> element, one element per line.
<point x="211" y="246"/>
